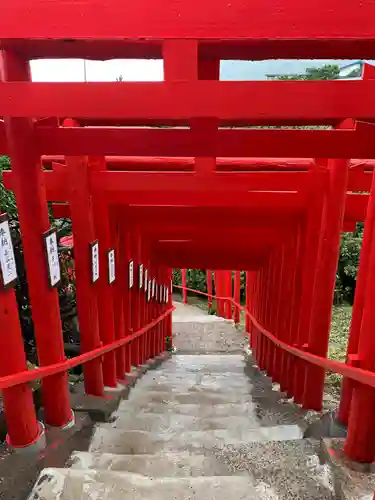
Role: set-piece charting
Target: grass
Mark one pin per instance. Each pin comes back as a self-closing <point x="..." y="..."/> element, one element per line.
<point x="341" y="316"/>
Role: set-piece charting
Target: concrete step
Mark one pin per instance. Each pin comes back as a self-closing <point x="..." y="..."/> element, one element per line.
<point x="70" y="484"/>
<point x="197" y="410"/>
<point x="110" y="440"/>
<point x="142" y="397"/>
<point x="152" y="422"/>
<point x="169" y="465"/>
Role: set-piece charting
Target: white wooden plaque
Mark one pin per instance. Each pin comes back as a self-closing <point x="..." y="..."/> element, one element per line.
<point x="140" y="276"/>
<point x="167" y="295"/>
<point x="111" y="266"/>
<point x="153" y="287"/>
<point x="146" y="279"/>
<point x="131" y="274"/>
<point x="149" y="287"/>
<point x="7" y="260"/>
<point x="94" y="261"/>
<point x="52" y="253"/>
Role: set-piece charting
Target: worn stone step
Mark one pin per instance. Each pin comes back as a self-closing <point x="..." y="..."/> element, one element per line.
<point x="141" y="398"/>
<point x="218" y="410"/>
<point x="70" y="484"/>
<point x="168" y="465"/>
<point x="110" y="440"/>
<point x="152" y="422"/>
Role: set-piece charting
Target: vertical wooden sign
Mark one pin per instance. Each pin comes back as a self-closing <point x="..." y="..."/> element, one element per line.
<point x="111" y="266"/>
<point x="94" y="254"/>
<point x="140" y="280"/>
<point x="149" y="288"/>
<point x="52" y="255"/>
<point x="131" y="274"/>
<point x="8" y="269"/>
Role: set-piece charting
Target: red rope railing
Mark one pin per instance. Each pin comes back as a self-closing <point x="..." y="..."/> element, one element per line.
<point x="46" y="371"/>
<point x="363" y="376"/>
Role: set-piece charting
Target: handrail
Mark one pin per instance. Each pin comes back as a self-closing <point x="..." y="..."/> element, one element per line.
<point x="47" y="371"/>
<point x="359" y="375"/>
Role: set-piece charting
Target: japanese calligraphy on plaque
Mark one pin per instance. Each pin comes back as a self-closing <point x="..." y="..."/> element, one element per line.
<point x="146" y="280"/>
<point x="111" y="266"/>
<point x="131" y="274"/>
<point x="8" y="269"/>
<point x="52" y="254"/>
<point x="149" y="286"/>
<point x="140" y="281"/>
<point x="94" y="250"/>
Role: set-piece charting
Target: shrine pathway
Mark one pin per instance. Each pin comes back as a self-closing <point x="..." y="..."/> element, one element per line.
<point x="205" y="425"/>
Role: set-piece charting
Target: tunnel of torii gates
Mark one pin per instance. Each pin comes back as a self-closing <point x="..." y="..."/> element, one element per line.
<point x="179" y="174"/>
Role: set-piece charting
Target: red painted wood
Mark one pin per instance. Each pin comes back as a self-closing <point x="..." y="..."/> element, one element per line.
<point x="119" y="286"/>
<point x="87" y="297"/>
<point x="23" y="428"/>
<point x="63" y="366"/>
<point x="342" y="48"/>
<point x="325" y="278"/>
<point x="184" y="284"/>
<point x="236" y="295"/>
<point x="360" y="445"/>
<point x="331" y="20"/>
<point x="209" y="288"/>
<point x="260" y="102"/>
<point x="104" y="289"/>
<point x="32" y="208"/>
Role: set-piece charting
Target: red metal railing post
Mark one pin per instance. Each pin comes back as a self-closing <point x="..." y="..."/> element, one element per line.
<point x="324" y="286"/>
<point x="32" y="208"/>
<point x="23" y="428"/>
<point x="104" y="289"/>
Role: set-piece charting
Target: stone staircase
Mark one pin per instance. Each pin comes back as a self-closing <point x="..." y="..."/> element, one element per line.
<point x="201" y="426"/>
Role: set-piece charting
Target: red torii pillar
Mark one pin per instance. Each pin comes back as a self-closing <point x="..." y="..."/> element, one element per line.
<point x="209" y="289"/>
<point x="32" y="207"/>
<point x="86" y="291"/>
<point x="360" y="443"/>
<point x="360" y="293"/>
<point x="324" y="286"/>
<point x="237" y="295"/>
<point x="23" y="428"/>
<point x="184" y="281"/>
<point x="105" y="290"/>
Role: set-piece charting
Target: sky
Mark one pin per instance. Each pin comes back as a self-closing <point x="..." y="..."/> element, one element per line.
<point x="73" y="70"/>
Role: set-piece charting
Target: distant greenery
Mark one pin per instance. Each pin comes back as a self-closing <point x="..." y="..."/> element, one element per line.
<point x="326" y="72"/>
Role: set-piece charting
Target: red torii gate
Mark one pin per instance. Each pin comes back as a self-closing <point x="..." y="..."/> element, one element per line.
<point x="291" y="272"/>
